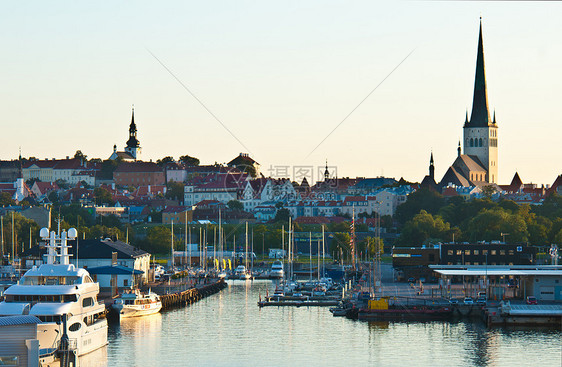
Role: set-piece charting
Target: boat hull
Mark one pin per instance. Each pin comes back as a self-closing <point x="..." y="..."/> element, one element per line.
<point x="138" y="310"/>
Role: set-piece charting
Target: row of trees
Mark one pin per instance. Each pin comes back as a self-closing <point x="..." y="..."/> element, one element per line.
<point x="428" y="217"/>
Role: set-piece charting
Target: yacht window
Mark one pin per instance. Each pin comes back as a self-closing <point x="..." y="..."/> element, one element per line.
<point x="87" y="302"/>
<point x="87" y="279"/>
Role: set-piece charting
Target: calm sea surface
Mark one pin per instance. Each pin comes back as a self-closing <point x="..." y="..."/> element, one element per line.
<point x="228" y="329"/>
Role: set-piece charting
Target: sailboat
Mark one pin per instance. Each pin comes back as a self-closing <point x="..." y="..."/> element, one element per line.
<point x="246" y="274"/>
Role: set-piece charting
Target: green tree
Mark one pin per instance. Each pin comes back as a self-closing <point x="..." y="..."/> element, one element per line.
<point x="489" y="191"/>
<point x="423" y="199"/>
<point x="164" y="161"/>
<point x="103" y="196"/>
<point x="372" y="245"/>
<point x="108" y="167"/>
<point x="423" y="227"/>
<point x="81" y="156"/>
<point x="282" y="215"/>
<point x="110" y="220"/>
<point x="175" y="190"/>
<point x="159" y="239"/>
<point x="489" y="224"/>
<point x="189" y="161"/>
<point x="236" y="205"/>
<point x="6" y="199"/>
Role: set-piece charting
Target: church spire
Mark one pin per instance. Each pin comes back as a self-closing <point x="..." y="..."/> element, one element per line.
<point x="431" y="167"/>
<point x="480" y="116"/>
<point x="459" y="149"/>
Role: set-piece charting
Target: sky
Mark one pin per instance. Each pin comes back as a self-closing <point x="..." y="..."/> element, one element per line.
<point x="281" y="75"/>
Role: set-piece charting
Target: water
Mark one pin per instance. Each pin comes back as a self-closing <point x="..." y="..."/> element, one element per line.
<point x="228" y="329"/>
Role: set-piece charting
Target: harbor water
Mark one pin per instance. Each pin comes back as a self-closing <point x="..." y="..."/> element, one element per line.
<point x="228" y="329"/>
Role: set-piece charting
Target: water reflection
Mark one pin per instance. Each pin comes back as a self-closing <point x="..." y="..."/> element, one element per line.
<point x="229" y="329"/>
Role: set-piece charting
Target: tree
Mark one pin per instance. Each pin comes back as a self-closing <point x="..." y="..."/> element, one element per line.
<point x="282" y="215"/>
<point x="423" y="199"/>
<point x="159" y="239"/>
<point x="175" y="190"/>
<point x="108" y="167"/>
<point x="489" y="191"/>
<point x="110" y="220"/>
<point x="81" y="156"/>
<point x="489" y="225"/>
<point x="236" y="205"/>
<point x="6" y="199"/>
<point x="103" y="196"/>
<point x="189" y="161"/>
<point x="423" y="227"/>
<point x="164" y="161"/>
<point x="372" y="245"/>
<point x="53" y="197"/>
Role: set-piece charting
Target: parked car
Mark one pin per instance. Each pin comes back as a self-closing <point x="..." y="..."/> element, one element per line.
<point x="468" y="301"/>
<point x="481" y="301"/>
<point x="454" y="301"/>
<point x="531" y="300"/>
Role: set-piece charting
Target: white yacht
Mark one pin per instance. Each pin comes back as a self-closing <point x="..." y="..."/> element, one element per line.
<point x="276" y="269"/>
<point x="241" y="273"/>
<point x="137" y="304"/>
<point x="56" y="290"/>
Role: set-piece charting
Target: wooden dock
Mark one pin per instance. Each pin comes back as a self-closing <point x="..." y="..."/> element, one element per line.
<point x="191" y="295"/>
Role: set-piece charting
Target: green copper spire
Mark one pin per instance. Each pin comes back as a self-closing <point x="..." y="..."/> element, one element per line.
<point x="480" y="116"/>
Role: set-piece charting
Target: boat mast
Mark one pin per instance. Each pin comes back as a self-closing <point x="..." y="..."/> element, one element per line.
<point x="2" y="236"/>
<point x="172" y="244"/>
<point x="220" y="237"/>
<point x="290" y="259"/>
<point x="323" y="253"/>
<point x="282" y="250"/>
<point x="310" y="254"/>
<point x="246" y="248"/>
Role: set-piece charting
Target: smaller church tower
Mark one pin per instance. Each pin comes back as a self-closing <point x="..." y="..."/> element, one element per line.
<point x="431" y="167"/>
<point x="133" y="145"/>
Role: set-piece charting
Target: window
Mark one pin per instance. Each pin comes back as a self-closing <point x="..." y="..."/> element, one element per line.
<point x="87" y="302"/>
<point x="467" y="252"/>
<point x="493" y="252"/>
<point x="450" y="252"/>
<point x="471" y="142"/>
<point x="476" y="252"/>
<point x="502" y="252"/>
<point x="484" y="252"/>
<point x="125" y="282"/>
<point x="459" y="252"/>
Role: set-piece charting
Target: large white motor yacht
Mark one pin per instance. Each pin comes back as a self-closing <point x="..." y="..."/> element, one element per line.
<point x="56" y="290"/>
<point x="136" y="303"/>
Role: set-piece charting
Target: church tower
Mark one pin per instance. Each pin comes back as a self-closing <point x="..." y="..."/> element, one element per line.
<point x="481" y="132"/>
<point x="133" y="145"/>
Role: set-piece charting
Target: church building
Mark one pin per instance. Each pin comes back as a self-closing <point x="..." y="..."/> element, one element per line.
<point x="132" y="149"/>
<point x="477" y="165"/>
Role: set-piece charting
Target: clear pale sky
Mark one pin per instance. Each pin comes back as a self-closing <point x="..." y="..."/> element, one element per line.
<point x="281" y="75"/>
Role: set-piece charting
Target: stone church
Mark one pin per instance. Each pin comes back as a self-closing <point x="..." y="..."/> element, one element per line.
<point x="477" y="163"/>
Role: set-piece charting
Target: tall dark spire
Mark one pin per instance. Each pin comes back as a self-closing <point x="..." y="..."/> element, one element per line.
<point x="480" y="116"/>
<point x="133" y="142"/>
<point x="431" y="167"/>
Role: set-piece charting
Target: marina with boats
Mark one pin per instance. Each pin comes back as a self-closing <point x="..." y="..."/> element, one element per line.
<point x="72" y="320"/>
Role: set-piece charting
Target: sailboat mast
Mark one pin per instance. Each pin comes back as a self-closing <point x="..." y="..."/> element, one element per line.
<point x="323" y="253"/>
<point x="246" y="248"/>
<point x="310" y="253"/>
<point x="283" y="249"/>
<point x="172" y="244"/>
<point x="220" y="237"/>
<point x="2" y="236"/>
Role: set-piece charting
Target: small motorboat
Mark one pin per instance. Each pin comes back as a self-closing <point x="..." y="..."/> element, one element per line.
<point x="135" y="303"/>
